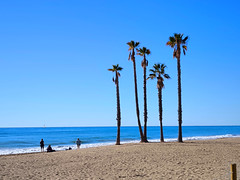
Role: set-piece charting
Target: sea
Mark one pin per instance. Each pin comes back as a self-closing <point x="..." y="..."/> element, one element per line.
<point x="27" y="140"/>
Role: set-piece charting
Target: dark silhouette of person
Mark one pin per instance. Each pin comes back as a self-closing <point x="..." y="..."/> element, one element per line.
<point x="49" y="149"/>
<point x="78" y="142"/>
<point x="42" y="145"/>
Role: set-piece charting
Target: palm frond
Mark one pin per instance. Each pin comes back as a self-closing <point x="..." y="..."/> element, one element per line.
<point x="152" y="70"/>
<point x="163" y="66"/>
<point x="129" y="43"/>
<point x="129" y="55"/>
<point x="119" y="68"/>
<point x="111" y="70"/>
<point x="148" y="52"/>
<point x="166" y="76"/>
<point x="130" y="46"/>
<point x="140" y="53"/>
<point x="137" y="44"/>
<point x="177" y="36"/>
<point x="156" y="66"/>
<point x="172" y="38"/>
<point x="185" y="39"/>
<point x="171" y="44"/>
<point x="184" y="47"/>
<point x="151" y="76"/>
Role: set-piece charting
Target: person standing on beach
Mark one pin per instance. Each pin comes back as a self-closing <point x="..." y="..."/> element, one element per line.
<point x="42" y="145"/>
<point x="78" y="142"/>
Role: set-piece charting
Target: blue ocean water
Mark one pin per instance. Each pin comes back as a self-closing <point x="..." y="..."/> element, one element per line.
<point x="26" y="140"/>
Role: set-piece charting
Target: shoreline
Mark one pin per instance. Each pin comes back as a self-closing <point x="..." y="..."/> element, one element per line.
<point x="200" y="159"/>
<point x="86" y="146"/>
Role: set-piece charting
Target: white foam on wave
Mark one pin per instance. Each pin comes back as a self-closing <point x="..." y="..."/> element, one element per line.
<point x="198" y="138"/>
<point x="19" y="151"/>
<point x="210" y="137"/>
<point x="66" y="147"/>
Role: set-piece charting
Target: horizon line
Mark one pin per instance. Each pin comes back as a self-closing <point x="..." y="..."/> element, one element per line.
<point x="108" y="126"/>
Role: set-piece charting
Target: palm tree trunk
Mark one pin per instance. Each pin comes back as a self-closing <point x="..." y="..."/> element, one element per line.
<point x="145" y="101"/>
<point x="179" y="101"/>
<point x="136" y="98"/>
<point x="118" y="112"/>
<point x="160" y="113"/>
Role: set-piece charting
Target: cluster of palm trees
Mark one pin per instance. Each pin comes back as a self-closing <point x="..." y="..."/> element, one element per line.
<point x="178" y="43"/>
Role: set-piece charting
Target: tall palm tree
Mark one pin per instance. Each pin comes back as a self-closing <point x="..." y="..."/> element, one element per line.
<point x="158" y="72"/>
<point x="116" y="69"/>
<point x="176" y="42"/>
<point x="143" y="52"/>
<point x="132" y="46"/>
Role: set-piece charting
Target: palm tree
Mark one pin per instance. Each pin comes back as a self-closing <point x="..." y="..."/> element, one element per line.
<point x="176" y="42"/>
<point x="158" y="72"/>
<point x="116" y="69"/>
<point x="132" y="46"/>
<point x="143" y="52"/>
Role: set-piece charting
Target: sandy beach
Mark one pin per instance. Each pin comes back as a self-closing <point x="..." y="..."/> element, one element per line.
<point x="209" y="159"/>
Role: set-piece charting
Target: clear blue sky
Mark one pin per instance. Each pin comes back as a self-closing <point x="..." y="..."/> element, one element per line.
<point x="54" y="57"/>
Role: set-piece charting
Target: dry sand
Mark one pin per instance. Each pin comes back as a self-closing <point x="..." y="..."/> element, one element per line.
<point x="205" y="160"/>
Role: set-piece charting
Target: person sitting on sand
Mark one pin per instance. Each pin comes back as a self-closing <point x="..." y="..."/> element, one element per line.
<point x="49" y="148"/>
<point x="78" y="142"/>
<point x="42" y="145"/>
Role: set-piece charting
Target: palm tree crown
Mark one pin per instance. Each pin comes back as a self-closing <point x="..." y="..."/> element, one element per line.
<point x="175" y="42"/>
<point x="159" y="72"/>
<point x="132" y="45"/>
<point x="143" y="52"/>
<point x="116" y="68"/>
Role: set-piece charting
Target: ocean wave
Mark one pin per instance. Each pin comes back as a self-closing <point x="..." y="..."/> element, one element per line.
<point x="8" y="151"/>
<point x="199" y="138"/>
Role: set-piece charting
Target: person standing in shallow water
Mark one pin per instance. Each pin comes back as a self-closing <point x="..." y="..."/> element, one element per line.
<point x="78" y="142"/>
<point x="42" y="145"/>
